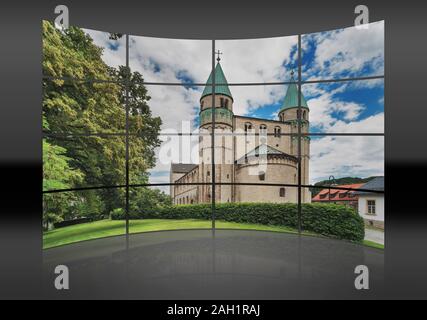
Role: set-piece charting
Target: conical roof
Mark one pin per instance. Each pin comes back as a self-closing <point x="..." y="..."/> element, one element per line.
<point x="291" y="97"/>
<point x="221" y="85"/>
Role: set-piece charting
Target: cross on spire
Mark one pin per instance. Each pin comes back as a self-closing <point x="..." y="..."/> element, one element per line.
<point x="218" y="53"/>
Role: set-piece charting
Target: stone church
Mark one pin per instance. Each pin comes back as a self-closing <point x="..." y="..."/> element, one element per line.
<point x="246" y="150"/>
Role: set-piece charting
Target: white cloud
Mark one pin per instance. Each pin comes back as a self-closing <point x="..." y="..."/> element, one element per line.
<point x="343" y="156"/>
<point x="347" y="50"/>
<point x="112" y="57"/>
<point x="256" y="60"/>
<point x="329" y="113"/>
<point x="164" y="60"/>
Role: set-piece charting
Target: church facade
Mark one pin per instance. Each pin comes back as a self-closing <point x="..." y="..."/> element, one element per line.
<point x="246" y="150"/>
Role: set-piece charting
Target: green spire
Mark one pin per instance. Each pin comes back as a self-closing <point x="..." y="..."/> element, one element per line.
<point x="291" y="98"/>
<point x="219" y="79"/>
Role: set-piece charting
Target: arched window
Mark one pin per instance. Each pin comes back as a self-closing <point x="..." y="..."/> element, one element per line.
<point x="248" y="126"/>
<point x="282" y="192"/>
<point x="304" y="115"/>
<point x="222" y="102"/>
<point x="262" y="128"/>
<point x="277" y="132"/>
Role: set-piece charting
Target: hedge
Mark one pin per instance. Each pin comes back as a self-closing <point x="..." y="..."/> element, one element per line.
<point x="331" y="220"/>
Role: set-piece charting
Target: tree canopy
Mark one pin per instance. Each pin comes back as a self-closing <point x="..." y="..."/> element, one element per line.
<point x="75" y="109"/>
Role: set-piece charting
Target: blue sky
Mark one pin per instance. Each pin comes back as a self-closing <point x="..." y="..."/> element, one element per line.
<point x="356" y="106"/>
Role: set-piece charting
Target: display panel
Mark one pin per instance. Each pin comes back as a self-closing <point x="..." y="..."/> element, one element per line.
<point x="142" y="123"/>
<point x="345" y="107"/>
<point x="258" y="60"/>
<point x="162" y="60"/>
<point x="351" y="52"/>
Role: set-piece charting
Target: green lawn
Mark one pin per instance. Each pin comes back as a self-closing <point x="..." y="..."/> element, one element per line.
<point x="105" y="228"/>
<point x="373" y="244"/>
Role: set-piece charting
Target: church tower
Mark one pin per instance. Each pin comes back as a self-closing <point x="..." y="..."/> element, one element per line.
<point x="223" y="145"/>
<point x="289" y="114"/>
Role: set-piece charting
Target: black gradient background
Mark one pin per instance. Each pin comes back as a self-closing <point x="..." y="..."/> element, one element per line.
<point x="405" y="105"/>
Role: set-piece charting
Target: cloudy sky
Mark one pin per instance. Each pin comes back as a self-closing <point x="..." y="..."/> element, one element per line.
<point x="356" y="106"/>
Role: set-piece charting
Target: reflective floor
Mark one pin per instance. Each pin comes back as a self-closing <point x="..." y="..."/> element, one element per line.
<point x="202" y="264"/>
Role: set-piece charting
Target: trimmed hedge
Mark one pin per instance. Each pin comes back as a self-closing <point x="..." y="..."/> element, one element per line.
<point x="331" y="220"/>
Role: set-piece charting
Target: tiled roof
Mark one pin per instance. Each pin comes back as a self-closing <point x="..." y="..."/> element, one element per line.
<point x="323" y="195"/>
<point x="265" y="150"/>
<point x="376" y="184"/>
<point x="182" y="167"/>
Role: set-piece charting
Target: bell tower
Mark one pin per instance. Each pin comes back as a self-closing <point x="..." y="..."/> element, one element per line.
<point x="289" y="114"/>
<point x="216" y="104"/>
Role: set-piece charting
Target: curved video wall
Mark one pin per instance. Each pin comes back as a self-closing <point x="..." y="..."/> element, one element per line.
<point x="278" y="134"/>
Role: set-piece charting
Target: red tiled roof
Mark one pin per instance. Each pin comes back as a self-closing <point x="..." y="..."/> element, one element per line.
<point x="335" y="193"/>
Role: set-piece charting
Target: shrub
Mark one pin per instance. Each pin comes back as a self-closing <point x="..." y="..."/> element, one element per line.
<point x="117" y="214"/>
<point x="331" y="220"/>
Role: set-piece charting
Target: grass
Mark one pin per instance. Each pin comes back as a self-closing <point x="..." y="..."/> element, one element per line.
<point x="106" y="228"/>
<point x="373" y="244"/>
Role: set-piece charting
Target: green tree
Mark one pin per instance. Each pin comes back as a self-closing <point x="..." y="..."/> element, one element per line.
<point x="57" y="174"/>
<point x="145" y="200"/>
<point x="75" y="107"/>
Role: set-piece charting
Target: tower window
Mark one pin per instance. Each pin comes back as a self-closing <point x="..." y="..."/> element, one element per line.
<point x="208" y="173"/>
<point x="277" y="132"/>
<point x="201" y="104"/>
<point x="226" y="103"/>
<point x="282" y="192"/>
<point x="261" y="176"/>
<point x="222" y="103"/>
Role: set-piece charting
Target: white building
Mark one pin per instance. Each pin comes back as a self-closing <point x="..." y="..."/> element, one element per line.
<point x="371" y="204"/>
